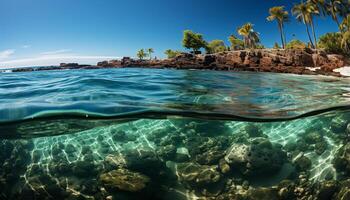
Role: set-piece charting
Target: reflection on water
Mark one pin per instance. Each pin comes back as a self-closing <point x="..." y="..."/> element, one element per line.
<point x="182" y="158"/>
<point x="111" y="92"/>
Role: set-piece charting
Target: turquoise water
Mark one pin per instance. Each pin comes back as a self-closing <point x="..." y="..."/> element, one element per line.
<point x="173" y="134"/>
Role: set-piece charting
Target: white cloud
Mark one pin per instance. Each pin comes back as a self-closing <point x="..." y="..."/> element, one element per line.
<point x="6" y="53"/>
<point x="48" y="60"/>
<point x="60" y="51"/>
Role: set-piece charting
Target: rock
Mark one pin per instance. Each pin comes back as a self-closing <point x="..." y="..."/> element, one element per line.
<point x="254" y="131"/>
<point x="144" y="160"/>
<point x="344" y="192"/>
<point x="125" y="180"/>
<point x="341" y="159"/>
<point x="321" y="147"/>
<point x="84" y="169"/>
<point x="262" y="194"/>
<point x="207" y="150"/>
<point x="326" y="190"/>
<point x="224" y="167"/>
<point x="302" y="163"/>
<point x="259" y="156"/>
<point x="313" y="137"/>
<point x="167" y="152"/>
<point x="338" y="125"/>
<point x="197" y="175"/>
<point x="286" y="190"/>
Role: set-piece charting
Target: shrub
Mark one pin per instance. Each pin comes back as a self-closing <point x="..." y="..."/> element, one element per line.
<point x="296" y="44"/>
<point x="172" y="54"/>
<point x="331" y="43"/>
<point x="216" y="46"/>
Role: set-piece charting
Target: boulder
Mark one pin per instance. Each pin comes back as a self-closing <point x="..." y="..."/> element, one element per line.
<point x="197" y="175"/>
<point x="257" y="156"/>
<point x="342" y="159"/>
<point x="125" y="180"/>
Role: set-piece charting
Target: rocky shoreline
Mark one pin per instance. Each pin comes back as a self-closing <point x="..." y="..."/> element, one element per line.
<point x="293" y="61"/>
<point x="259" y="60"/>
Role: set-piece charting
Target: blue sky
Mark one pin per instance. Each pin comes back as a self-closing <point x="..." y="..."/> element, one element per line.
<point x="47" y="32"/>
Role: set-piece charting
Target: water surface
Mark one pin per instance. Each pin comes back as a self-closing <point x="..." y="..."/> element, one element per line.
<point x="172" y="134"/>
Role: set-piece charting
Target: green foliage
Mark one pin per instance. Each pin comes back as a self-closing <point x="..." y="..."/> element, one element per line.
<point x="150" y="51"/>
<point x="172" y="54"/>
<point x="260" y="46"/>
<point x="276" y="46"/>
<point x="193" y="40"/>
<point x="281" y="16"/>
<point x="236" y="43"/>
<point x="216" y="46"/>
<point x="296" y="44"/>
<point x="141" y="54"/>
<point x="251" y="38"/>
<point x="331" y="43"/>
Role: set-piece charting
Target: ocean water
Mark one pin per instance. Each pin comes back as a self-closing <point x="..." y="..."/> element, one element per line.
<point x="173" y="134"/>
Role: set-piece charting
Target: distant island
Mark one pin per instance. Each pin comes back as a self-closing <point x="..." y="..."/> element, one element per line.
<point x="319" y="56"/>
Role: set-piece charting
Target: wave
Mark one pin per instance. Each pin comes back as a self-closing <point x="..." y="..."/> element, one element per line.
<point x="118" y="94"/>
<point x="51" y="124"/>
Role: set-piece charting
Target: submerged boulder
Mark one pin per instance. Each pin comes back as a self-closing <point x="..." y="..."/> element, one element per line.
<point x="342" y="159"/>
<point x="125" y="180"/>
<point x="197" y="175"/>
<point x="257" y="156"/>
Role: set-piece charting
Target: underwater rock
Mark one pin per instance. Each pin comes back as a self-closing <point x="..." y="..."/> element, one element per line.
<point x="114" y="161"/>
<point x="302" y="163"/>
<point x="262" y="194"/>
<point x="286" y="190"/>
<point x="321" y="147"/>
<point x="326" y="189"/>
<point x="125" y="180"/>
<point x="313" y="137"/>
<point x="182" y="155"/>
<point x="84" y="169"/>
<point x="224" y="167"/>
<point x="258" y="156"/>
<point x="207" y="150"/>
<point x="338" y="125"/>
<point x="197" y="175"/>
<point x="122" y="136"/>
<point x="344" y="192"/>
<point x="302" y="145"/>
<point x="144" y="160"/>
<point x="342" y="159"/>
<point x="254" y="131"/>
<point x="70" y="148"/>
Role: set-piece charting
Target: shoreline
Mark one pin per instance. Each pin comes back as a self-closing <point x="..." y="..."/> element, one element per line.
<point x="290" y="61"/>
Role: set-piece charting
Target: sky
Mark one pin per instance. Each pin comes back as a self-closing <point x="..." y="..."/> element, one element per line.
<point x="48" y="32"/>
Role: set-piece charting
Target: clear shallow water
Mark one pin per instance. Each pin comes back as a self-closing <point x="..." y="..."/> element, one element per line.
<point x="167" y="134"/>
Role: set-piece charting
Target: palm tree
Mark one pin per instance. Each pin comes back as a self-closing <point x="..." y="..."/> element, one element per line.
<point x="251" y="38"/>
<point x="236" y="43"/>
<point x="345" y="28"/>
<point x="334" y="8"/>
<point x="345" y="25"/>
<point x="141" y="54"/>
<point x="278" y="13"/>
<point x="150" y="51"/>
<point x="304" y="13"/>
<point x="320" y="5"/>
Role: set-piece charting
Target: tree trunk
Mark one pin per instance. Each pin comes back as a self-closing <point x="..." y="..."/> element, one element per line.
<point x="314" y="33"/>
<point x="308" y="34"/>
<point x="284" y="36"/>
<point x="280" y="29"/>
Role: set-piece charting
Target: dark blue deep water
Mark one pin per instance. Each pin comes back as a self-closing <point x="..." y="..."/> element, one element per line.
<point x="173" y="134"/>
